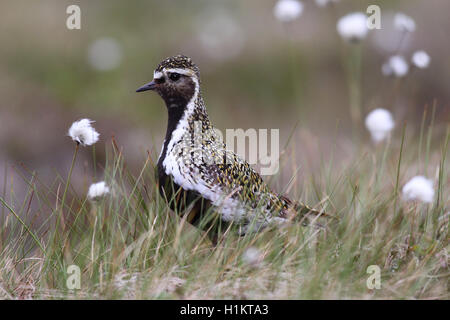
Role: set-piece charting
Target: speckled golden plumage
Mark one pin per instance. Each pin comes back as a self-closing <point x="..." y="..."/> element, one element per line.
<point x="203" y="170"/>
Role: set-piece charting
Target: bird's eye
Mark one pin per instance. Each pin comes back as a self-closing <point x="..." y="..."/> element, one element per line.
<point x="174" y="76"/>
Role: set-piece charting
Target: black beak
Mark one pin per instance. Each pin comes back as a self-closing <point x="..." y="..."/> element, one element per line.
<point x="148" y="86"/>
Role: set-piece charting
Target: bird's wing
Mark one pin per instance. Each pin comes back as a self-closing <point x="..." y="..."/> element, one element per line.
<point x="232" y="177"/>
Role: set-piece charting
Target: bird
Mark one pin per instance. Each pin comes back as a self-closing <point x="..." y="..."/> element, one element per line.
<point x="210" y="186"/>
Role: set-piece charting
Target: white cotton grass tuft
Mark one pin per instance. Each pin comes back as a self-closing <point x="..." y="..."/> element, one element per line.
<point x="324" y="3"/>
<point x="252" y="256"/>
<point x="421" y="59"/>
<point x="380" y="123"/>
<point x="82" y="132"/>
<point x="419" y="188"/>
<point x="353" y="27"/>
<point x="388" y="39"/>
<point x="98" y="190"/>
<point x="396" y="66"/>
<point x="288" y="10"/>
<point x="404" y="23"/>
<point x="105" y="54"/>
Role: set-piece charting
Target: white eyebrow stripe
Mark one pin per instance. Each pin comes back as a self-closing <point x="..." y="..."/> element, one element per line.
<point x="186" y="72"/>
<point x="157" y="75"/>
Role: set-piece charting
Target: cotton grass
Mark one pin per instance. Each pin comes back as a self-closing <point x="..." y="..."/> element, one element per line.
<point x="288" y="10"/>
<point x="404" y="23"/>
<point x="252" y="256"/>
<point x="97" y="191"/>
<point x="83" y="133"/>
<point x="396" y="66"/>
<point x="419" y="188"/>
<point x="353" y="27"/>
<point x="421" y="59"/>
<point x="324" y="3"/>
<point x="380" y="123"/>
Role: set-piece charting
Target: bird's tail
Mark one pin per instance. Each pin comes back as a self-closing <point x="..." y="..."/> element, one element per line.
<point x="304" y="212"/>
<point x="303" y="209"/>
<point x="310" y="216"/>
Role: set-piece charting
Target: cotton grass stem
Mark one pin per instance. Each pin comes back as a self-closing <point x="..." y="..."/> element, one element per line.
<point x="93" y="241"/>
<point x="441" y="182"/>
<point x="429" y="136"/>
<point x="94" y="161"/>
<point x="380" y="171"/>
<point x="422" y="126"/>
<point x="355" y="84"/>
<point x="70" y="174"/>
<point x="397" y="180"/>
<point x="63" y="200"/>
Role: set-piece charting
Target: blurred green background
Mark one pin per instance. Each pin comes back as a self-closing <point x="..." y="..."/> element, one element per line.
<point x="256" y="73"/>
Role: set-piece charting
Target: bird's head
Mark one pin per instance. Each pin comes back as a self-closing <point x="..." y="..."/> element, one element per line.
<point x="176" y="80"/>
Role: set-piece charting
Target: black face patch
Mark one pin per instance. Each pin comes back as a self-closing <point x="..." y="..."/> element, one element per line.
<point x="177" y="93"/>
<point x="177" y="90"/>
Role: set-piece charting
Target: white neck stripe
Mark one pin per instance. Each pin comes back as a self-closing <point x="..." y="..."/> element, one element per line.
<point x="183" y="124"/>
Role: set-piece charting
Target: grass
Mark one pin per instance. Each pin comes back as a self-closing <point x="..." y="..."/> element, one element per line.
<point x="130" y="245"/>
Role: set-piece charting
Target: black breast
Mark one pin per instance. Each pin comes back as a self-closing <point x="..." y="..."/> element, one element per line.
<point x="179" y="199"/>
